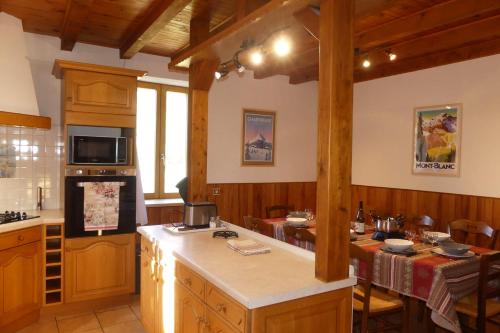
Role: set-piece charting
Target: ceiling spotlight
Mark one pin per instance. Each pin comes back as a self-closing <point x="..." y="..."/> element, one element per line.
<point x="282" y="46"/>
<point x="221" y="72"/>
<point x="366" y="63"/>
<point x="392" y="56"/>
<point x="256" y="58"/>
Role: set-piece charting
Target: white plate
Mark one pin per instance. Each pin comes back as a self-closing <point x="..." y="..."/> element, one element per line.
<point x="398" y="245"/>
<point x="296" y="220"/>
<point x="440" y="251"/>
<point x="441" y="236"/>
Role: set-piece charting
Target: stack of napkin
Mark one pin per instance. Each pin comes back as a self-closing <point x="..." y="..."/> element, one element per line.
<point x="247" y="247"/>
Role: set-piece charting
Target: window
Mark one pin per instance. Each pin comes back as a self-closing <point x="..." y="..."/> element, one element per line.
<point x="162" y="124"/>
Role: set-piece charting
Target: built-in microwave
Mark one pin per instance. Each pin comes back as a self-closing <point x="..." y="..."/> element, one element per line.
<point x="98" y="150"/>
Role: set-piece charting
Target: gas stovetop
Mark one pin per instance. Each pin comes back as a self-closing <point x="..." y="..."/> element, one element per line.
<point x="9" y="217"/>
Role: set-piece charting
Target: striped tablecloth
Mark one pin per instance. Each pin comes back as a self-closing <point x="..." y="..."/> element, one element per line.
<point x="279" y="234"/>
<point x="437" y="280"/>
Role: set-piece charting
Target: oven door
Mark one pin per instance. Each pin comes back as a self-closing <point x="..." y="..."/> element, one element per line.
<point x="74" y="205"/>
<point x="94" y="150"/>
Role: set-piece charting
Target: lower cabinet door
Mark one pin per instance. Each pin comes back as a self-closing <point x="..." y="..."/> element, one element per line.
<point x="214" y="324"/>
<point x="189" y="311"/>
<point x="99" y="267"/>
<point x="148" y="293"/>
<point x="20" y="282"/>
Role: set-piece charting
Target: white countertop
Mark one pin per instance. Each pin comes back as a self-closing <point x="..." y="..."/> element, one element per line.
<point x="164" y="202"/>
<point x="46" y="217"/>
<point x="287" y="273"/>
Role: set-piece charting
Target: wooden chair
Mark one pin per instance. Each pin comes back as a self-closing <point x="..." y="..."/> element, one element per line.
<point x="278" y="211"/>
<point x="300" y="234"/>
<point x="257" y="225"/>
<point x="374" y="303"/>
<point x="473" y="233"/>
<point x="481" y="306"/>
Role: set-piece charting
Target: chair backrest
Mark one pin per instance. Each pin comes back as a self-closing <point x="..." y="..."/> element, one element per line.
<point x="258" y="225"/>
<point x="249" y="223"/>
<point x="424" y="221"/>
<point x="278" y="210"/>
<point x="473" y="233"/>
<point x="365" y="258"/>
<point x="489" y="286"/>
<point x="300" y="234"/>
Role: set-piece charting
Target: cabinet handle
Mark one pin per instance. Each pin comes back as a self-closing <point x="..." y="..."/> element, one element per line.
<point x="188" y="282"/>
<point x="20" y="238"/>
<point x="221" y="307"/>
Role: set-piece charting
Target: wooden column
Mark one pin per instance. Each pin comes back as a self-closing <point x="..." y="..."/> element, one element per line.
<point x="334" y="139"/>
<point x="201" y="75"/>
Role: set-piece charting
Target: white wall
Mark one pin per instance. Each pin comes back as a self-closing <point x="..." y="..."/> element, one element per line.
<point x="295" y="106"/>
<point x="296" y="123"/>
<point x="43" y="50"/>
<point x="383" y="127"/>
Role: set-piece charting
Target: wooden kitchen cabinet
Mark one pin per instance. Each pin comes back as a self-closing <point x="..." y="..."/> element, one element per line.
<point x="201" y="307"/>
<point x="99" y="267"/>
<point x="189" y="311"/>
<point x="20" y="279"/>
<point x="149" y="295"/>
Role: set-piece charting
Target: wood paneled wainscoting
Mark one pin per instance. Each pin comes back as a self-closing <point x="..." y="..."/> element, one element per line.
<point x="238" y="200"/>
<point x="442" y="207"/>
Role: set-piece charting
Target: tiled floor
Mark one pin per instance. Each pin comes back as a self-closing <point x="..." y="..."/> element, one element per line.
<point x="118" y="319"/>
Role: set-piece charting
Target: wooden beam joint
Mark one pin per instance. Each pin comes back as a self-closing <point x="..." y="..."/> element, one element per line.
<point x="75" y="17"/>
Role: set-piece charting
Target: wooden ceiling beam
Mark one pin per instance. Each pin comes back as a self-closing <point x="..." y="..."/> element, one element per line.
<point x="310" y="20"/>
<point x="157" y="16"/>
<point x="75" y="16"/>
<point x="424" y="61"/>
<point x="306" y="74"/>
<point x="225" y="31"/>
<point x="443" y="16"/>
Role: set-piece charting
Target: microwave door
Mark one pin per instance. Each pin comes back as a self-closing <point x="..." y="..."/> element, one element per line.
<point x="94" y="150"/>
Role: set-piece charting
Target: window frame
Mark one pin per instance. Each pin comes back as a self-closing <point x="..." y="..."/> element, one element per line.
<point x="161" y="116"/>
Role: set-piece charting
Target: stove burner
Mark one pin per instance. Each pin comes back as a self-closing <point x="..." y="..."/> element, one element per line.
<point x="9" y="217"/>
<point x="225" y="234"/>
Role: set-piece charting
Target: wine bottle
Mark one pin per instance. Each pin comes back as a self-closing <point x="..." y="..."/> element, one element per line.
<point x="360" y="220"/>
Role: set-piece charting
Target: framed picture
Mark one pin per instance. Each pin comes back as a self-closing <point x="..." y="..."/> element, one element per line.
<point x="258" y="138"/>
<point x="437" y="137"/>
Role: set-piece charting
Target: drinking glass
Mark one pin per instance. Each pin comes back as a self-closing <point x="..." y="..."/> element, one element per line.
<point x="410" y="235"/>
<point x="433" y="237"/>
<point x="309" y="214"/>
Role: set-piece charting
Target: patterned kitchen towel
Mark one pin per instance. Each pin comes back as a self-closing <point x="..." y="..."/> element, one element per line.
<point x="101" y="205"/>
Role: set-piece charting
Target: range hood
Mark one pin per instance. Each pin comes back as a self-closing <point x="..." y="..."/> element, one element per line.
<point x="18" y="103"/>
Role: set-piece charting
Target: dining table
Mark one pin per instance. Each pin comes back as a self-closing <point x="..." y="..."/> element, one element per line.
<point x="438" y="280"/>
<point x="279" y="232"/>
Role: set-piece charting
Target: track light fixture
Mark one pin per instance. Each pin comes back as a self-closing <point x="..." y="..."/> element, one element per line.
<point x="391" y="55"/>
<point x="239" y="67"/>
<point x="257" y="57"/>
<point x="221" y="72"/>
<point x="366" y="63"/>
<point x="282" y="46"/>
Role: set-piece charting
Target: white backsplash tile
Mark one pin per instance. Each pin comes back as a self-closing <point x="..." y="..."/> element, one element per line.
<point x="30" y="158"/>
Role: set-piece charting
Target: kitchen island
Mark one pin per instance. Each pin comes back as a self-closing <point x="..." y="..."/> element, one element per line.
<point x="196" y="283"/>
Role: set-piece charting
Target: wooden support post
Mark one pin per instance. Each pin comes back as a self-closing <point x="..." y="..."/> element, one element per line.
<point x="334" y="139"/>
<point x="201" y="75"/>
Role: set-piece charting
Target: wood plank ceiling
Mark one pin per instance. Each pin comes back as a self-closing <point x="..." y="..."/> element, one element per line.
<point x="422" y="33"/>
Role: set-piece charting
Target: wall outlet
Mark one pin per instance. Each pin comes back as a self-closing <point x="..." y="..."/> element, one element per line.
<point x="216" y="191"/>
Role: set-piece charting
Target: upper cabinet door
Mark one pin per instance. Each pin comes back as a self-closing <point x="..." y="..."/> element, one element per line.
<point x="100" y="93"/>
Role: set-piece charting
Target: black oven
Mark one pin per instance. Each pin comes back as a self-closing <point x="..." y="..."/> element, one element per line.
<point x="74" y="215"/>
<point x="98" y="150"/>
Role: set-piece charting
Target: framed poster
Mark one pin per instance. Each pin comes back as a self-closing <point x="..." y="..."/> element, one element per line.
<point x="258" y="138"/>
<point x="436" y="144"/>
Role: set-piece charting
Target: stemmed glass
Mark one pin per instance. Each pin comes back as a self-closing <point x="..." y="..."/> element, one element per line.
<point x="433" y="238"/>
<point x="410" y="235"/>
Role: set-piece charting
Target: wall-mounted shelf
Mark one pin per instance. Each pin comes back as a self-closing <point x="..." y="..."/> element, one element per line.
<point x="53" y="259"/>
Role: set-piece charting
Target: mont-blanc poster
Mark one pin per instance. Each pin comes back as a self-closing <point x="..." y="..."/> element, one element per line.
<point x="437" y="140"/>
<point x="258" y="137"/>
